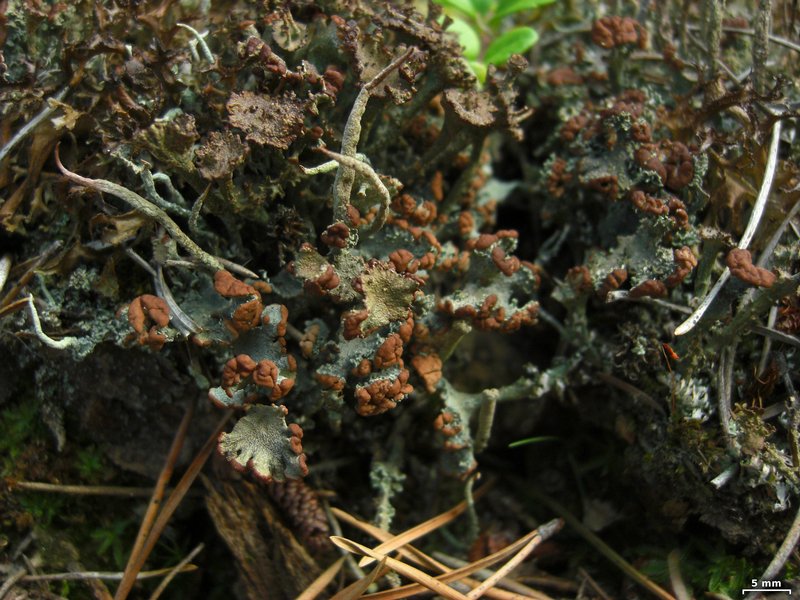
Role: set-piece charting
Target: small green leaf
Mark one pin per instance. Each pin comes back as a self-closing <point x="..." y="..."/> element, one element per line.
<point x="509" y="7"/>
<point x="514" y="41"/>
<point x="479" y="69"/>
<point x="467" y="37"/>
<point x="533" y="440"/>
<point x="482" y="6"/>
<point x="463" y="6"/>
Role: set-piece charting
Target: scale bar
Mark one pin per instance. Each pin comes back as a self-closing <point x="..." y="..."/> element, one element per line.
<point x="767" y="590"/>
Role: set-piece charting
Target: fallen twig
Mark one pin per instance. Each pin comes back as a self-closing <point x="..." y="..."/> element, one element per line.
<point x="104" y="575"/>
<point x="593" y="584"/>
<point x="9" y="583"/>
<point x="320" y="583"/>
<point x="150" y="529"/>
<point x="462" y="573"/>
<point x="433" y="584"/>
<point x="158" y="490"/>
<point x="5" y="269"/>
<point x="725" y="394"/>
<point x="420" y="558"/>
<point x="675" y="577"/>
<point x="599" y="544"/>
<point x="544" y="532"/>
<point x="426" y="527"/>
<point x="81" y="490"/>
<point x="175" y="571"/>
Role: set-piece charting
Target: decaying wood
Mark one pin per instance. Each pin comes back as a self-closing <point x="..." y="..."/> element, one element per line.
<point x="271" y="562"/>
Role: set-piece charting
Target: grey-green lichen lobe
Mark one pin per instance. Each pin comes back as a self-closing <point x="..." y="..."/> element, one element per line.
<point x="388" y="296"/>
<point x="261" y="441"/>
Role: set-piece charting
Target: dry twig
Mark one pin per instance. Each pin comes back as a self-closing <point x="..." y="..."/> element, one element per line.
<point x="175" y="570"/>
<point x="81" y="490"/>
<point x="599" y="544"/>
<point x="422" y="529"/>
<point x="151" y="529"/>
<point x="320" y="583"/>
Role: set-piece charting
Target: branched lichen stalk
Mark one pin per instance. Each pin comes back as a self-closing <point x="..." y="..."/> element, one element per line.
<point x="451" y="338"/>
<point x="61" y="344"/>
<point x="356" y="166"/>
<point x="149" y="184"/>
<point x="713" y="31"/>
<point x="345" y="175"/>
<point x="147" y="209"/>
<point x="201" y="42"/>
<point x="328" y="167"/>
<point x="194" y="216"/>
<point x="173" y="191"/>
<point x="724" y="392"/>
<point x="237" y="268"/>
<point x="761" y="45"/>
<point x="150" y="187"/>
<point x="473" y="525"/>
<point x="486" y="418"/>
<point x="767" y="345"/>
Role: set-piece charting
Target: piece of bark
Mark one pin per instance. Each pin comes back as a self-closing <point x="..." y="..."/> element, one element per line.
<point x="271" y="562"/>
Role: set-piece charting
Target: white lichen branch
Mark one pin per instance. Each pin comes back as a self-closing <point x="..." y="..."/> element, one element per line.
<point x="725" y="393"/>
<point x="148" y="182"/>
<point x="61" y="344"/>
<point x="173" y="191"/>
<point x="345" y="174"/>
<point x="752" y="225"/>
<point x="328" y="167"/>
<point x="486" y="418"/>
<point x="199" y="39"/>
<point x="365" y="170"/>
<point x="5" y="269"/>
<point x="146" y="208"/>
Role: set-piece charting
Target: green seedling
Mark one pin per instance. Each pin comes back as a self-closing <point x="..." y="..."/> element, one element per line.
<point x="481" y="29"/>
<point x="111" y="540"/>
<point x="89" y="463"/>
